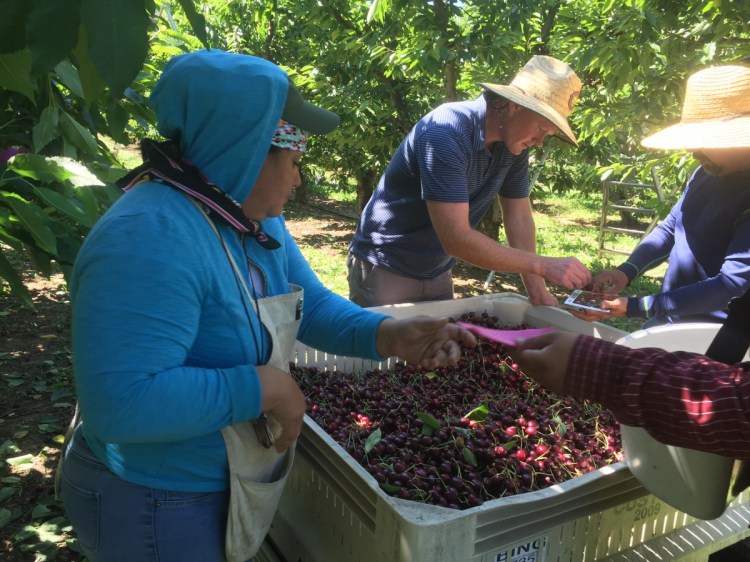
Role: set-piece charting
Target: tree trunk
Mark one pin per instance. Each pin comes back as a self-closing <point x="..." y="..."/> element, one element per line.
<point x="268" y="39"/>
<point x="546" y="32"/>
<point x="450" y="70"/>
<point x="365" y="187"/>
<point x="451" y="78"/>
<point x="492" y="221"/>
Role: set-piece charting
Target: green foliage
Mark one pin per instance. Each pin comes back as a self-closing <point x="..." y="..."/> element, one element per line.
<point x="47" y="204"/>
<point x="117" y="41"/>
<point x="384" y="64"/>
<point x="634" y="59"/>
<point x="73" y="74"/>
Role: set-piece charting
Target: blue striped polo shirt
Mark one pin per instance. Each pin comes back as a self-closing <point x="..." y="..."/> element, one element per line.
<point x="443" y="158"/>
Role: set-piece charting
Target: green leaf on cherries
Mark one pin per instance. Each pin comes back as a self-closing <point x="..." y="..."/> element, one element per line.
<point x="428" y="420"/>
<point x="390" y="488"/>
<point x="469" y="457"/>
<point x="478" y="414"/>
<point x="561" y="429"/>
<point x="431" y="375"/>
<point x="372" y="440"/>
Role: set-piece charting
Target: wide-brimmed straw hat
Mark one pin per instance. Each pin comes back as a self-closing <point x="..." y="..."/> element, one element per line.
<point x="546" y="86"/>
<point x="716" y="112"/>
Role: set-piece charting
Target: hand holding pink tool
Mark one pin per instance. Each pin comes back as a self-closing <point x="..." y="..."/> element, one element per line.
<point x="505" y="337"/>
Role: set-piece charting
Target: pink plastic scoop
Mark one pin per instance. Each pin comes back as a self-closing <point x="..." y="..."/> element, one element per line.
<point x="505" y="337"/>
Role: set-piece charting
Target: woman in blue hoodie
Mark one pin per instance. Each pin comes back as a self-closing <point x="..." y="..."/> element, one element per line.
<point x="186" y="298"/>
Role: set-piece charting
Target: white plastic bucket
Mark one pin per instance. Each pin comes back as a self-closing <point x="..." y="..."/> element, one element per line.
<point x="694" y="482"/>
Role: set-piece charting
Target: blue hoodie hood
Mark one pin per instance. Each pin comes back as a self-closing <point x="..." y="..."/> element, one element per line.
<point x="223" y="109"/>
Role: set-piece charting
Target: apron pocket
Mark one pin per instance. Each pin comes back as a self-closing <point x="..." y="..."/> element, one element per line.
<point x="252" y="506"/>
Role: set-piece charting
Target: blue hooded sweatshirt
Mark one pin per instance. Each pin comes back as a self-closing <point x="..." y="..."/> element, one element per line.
<point x="165" y="344"/>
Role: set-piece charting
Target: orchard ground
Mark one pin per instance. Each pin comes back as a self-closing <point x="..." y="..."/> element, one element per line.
<point x="36" y="392"/>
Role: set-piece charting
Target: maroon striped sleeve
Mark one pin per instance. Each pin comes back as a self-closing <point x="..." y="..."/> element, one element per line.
<point x="680" y="398"/>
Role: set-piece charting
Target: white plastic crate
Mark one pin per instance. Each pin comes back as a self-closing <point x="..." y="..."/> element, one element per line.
<point x="267" y="553"/>
<point x="333" y="511"/>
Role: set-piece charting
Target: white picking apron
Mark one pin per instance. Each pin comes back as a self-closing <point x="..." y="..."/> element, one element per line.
<point x="257" y="474"/>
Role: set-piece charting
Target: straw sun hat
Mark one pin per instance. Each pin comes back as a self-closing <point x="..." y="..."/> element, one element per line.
<point x="716" y="112"/>
<point x="546" y="86"/>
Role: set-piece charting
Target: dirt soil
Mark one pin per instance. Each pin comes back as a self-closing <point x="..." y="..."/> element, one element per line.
<point x="36" y="403"/>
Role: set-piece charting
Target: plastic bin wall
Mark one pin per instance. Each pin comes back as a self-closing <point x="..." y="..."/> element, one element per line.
<point x="333" y="511"/>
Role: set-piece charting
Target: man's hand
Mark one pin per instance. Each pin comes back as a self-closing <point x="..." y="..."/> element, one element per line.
<point x="609" y="281"/>
<point x="568" y="272"/>
<point x="618" y="308"/>
<point x="544" y="298"/>
<point x="537" y="291"/>
<point x="545" y="358"/>
<point x="423" y="340"/>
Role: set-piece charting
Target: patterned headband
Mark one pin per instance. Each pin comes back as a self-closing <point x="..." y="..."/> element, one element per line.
<point x="290" y="137"/>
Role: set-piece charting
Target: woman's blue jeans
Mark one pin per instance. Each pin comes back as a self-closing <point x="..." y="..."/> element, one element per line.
<point x="116" y="521"/>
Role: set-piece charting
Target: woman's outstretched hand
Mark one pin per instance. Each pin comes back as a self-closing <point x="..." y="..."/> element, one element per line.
<point x="423" y="340"/>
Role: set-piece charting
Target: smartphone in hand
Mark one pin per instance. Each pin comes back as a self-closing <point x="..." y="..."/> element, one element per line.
<point x="584" y="300"/>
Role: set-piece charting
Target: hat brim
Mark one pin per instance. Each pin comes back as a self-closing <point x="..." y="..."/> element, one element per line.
<point x="734" y="133"/>
<point x="517" y="96"/>
<point x="306" y="116"/>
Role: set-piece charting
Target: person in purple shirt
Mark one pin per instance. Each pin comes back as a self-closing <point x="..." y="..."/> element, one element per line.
<point x="652" y="388"/>
<point x="705" y="238"/>
<point x="443" y="178"/>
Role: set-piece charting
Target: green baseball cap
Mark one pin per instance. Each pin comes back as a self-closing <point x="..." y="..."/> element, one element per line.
<point x="306" y="116"/>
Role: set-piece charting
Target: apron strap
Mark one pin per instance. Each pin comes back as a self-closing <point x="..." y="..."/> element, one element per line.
<point x="68" y="436"/>
<point x="261" y="426"/>
<point x="236" y="269"/>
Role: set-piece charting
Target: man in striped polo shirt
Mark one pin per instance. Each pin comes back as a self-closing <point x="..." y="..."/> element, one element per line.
<point x="443" y="178"/>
